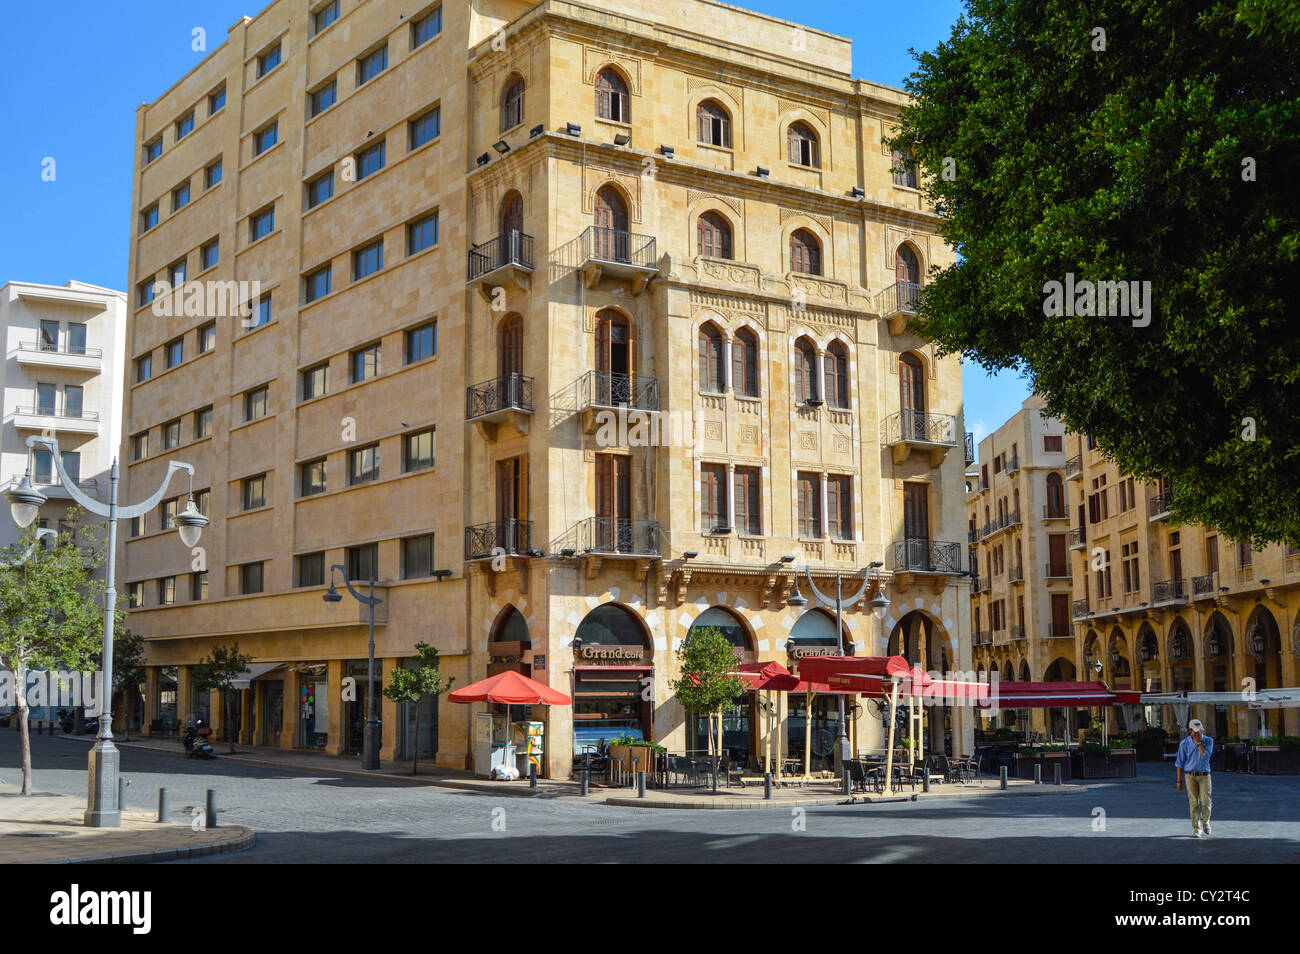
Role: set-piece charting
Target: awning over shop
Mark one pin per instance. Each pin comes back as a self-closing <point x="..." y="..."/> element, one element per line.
<point x="252" y="672"/>
<point x="759" y="677"/>
<point x="1050" y="695"/>
<point x="864" y="674"/>
<point x="1264" y="699"/>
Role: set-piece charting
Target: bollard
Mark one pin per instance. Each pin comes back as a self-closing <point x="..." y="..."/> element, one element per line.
<point x="532" y="775"/>
<point x="122" y="785"/>
<point x="164" y="811"/>
<point x="845" y="784"/>
<point x="586" y="781"/>
<point x="1038" y="773"/>
<point x="767" y="785"/>
<point x="925" y="780"/>
<point x="640" y="783"/>
<point x="1002" y="777"/>
<point x="1057" y="768"/>
<point x="211" y="820"/>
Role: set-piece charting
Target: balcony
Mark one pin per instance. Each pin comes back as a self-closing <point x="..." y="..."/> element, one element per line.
<point x="909" y="431"/>
<point x="596" y="538"/>
<point x="998" y="524"/>
<point x="504" y="400"/>
<point x="1074" y="468"/>
<point x="1203" y="587"/>
<point x="1169" y="591"/>
<point x="1013" y="465"/>
<point x="1055" y="512"/>
<point x="1018" y="634"/>
<point x="897" y="303"/>
<point x="927" y="556"/>
<point x="983" y="637"/>
<point x="44" y="418"/>
<point x="1079" y="609"/>
<point x="601" y="252"/>
<point x="1078" y="538"/>
<point x="1016" y="574"/>
<point x="510" y="537"/>
<point x="601" y="392"/>
<point x="37" y="355"/>
<point x="983" y="584"/>
<point x="1058" y="631"/>
<point x="504" y="260"/>
<point x="49" y="484"/>
<point x="970" y="448"/>
<point x="1057" y="571"/>
<point x="1158" y="505"/>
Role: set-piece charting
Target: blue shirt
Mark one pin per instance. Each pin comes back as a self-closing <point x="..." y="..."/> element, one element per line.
<point x="1190" y="758"/>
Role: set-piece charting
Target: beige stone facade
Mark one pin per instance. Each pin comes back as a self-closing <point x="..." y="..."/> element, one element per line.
<point x="680" y="356"/>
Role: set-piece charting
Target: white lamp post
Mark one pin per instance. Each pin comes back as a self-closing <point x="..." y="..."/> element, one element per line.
<point x="102" y="810"/>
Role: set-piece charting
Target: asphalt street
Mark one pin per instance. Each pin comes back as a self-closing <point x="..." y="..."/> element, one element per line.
<point x="321" y="819"/>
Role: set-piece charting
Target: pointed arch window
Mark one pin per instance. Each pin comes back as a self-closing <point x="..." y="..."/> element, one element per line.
<point x="805" y="253"/>
<point x="611" y="96"/>
<point x="837" y="375"/>
<point x="744" y="363"/>
<point x="714" y="235"/>
<point x="512" y="103"/>
<point x="713" y="124"/>
<point x="805" y="371"/>
<point x="801" y="143"/>
<point x="904" y="167"/>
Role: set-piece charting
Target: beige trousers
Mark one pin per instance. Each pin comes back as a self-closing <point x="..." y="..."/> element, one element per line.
<point x="1198" y="799"/>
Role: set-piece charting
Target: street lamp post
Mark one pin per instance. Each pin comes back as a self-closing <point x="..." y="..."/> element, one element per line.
<point x="370" y="738"/>
<point x="879" y="605"/>
<point x="25" y="501"/>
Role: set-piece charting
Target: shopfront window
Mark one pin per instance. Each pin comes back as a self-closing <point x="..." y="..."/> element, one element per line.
<point x="313" y="706"/>
<point x="354" y="713"/>
<point x="425" y="743"/>
<point x="612" y="671"/>
<point x="167" y="677"/>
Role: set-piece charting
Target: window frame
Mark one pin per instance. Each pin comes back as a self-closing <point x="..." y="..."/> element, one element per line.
<point x="366" y="61"/>
<point x="358" y="475"/>
<point x="248" y="500"/>
<point x="411" y="464"/>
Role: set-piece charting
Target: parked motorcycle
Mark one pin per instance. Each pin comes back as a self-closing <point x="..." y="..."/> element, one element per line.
<point x="196" y="740"/>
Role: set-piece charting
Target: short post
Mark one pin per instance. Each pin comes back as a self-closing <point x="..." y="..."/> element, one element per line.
<point x="122" y="785"/>
<point x="164" y="810"/>
<point x="767" y="785"/>
<point x="925" y="780"/>
<point x="640" y="783"/>
<point x="210" y="821"/>
<point x="1038" y="773"/>
<point x="1057" y="772"/>
<point x="1002" y="777"/>
<point x="845" y="784"/>
<point x="532" y="774"/>
<point x="586" y="781"/>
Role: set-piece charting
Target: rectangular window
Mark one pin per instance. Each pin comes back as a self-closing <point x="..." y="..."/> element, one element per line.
<point x="839" y="506"/>
<point x="42" y="467"/>
<point x="367" y="260"/>
<point x="310" y="569"/>
<point x="251" y="578"/>
<point x="371" y="65"/>
<point x="748" y="517"/>
<point x="144" y="292"/>
<point x="268" y="61"/>
<point x="201" y="500"/>
<point x="313" y="478"/>
<point x="417" y="556"/>
<point x="46" y="398"/>
<point x="315" y="381"/>
<point x="216" y="100"/>
<point x="152" y="150"/>
<point x="181" y="196"/>
<point x="363" y="464"/>
<point x="365" y="363"/>
<point x="199" y="586"/>
<point x="167" y="591"/>
<point x="421" y="342"/>
<point x="1245" y="556"/>
<point x="75" y="343"/>
<point x="265" y="138"/>
<point x="140" y="445"/>
<point x="317" y="284"/>
<point x="178" y="272"/>
<point x="167" y="514"/>
<point x="324" y="16"/>
<point x="810" y="505"/>
<point x="320" y="189"/>
<point x="256" y="402"/>
<point x="1052" y="443"/>
<point x="425" y="128"/>
<point x="422" y="234"/>
<point x="71" y="461"/>
<point x="417" y="451"/>
<point x="426" y="28"/>
<point x="210" y="254"/>
<point x="262" y="313"/>
<point x="49" y="336"/>
<point x="325" y="97"/>
<point x="172" y="434"/>
<point x="203" y="423"/>
<point x="370" y="160"/>
<point x="137" y="526"/>
<point x="134" y="595"/>
<point x="212" y="175"/>
<point x="254" y="492"/>
<point x="261" y="224"/>
<point x="185" y="125"/>
<point x="149" y="218"/>
<point x="174" y="353"/>
<point x="207" y="337"/>
<point x="143" y="368"/>
<point x="1212" y="554"/>
<point x="363" y="562"/>
<point x="713" y="497"/>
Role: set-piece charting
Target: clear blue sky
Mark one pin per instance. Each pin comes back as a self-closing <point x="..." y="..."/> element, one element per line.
<point x="72" y="74"/>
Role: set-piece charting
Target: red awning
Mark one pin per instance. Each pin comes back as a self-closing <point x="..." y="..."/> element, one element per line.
<point x="1046" y="695"/>
<point x="769" y="675"/>
<point x="510" y="688"/>
<point x="865" y="674"/>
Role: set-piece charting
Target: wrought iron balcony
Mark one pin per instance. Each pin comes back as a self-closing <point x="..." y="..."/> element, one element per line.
<point x="1158" y="505"/>
<point x="495" y="399"/>
<point x="998" y="524"/>
<point x="604" y="252"/>
<point x="900" y="298"/>
<point x="1013" y="465"/>
<point x="970" y="448"/>
<point x="1018" y="633"/>
<point x="927" y="556"/>
<point x="983" y="637"/>
<point x="495" y="260"/>
<point x="1057" y="571"/>
<point x="1078" y="537"/>
<point x="1203" y="586"/>
<point x="1016" y="574"/>
<point x="1080" y="609"/>
<point x="510" y="536"/>
<point x="1169" y="591"/>
<point x="609" y="389"/>
<point x="906" y="431"/>
<point x="613" y="536"/>
<point x="1055" y="512"/>
<point x="983" y="584"/>
<point x="1074" y="468"/>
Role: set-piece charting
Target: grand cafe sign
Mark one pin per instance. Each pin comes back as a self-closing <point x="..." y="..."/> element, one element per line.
<point x="595" y="652"/>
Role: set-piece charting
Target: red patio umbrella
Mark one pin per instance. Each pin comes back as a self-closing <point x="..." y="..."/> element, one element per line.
<point x="510" y="688"/>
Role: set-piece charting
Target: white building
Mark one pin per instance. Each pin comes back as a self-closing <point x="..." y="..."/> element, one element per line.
<point x="62" y="376"/>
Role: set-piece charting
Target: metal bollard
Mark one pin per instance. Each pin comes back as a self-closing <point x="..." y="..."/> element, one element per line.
<point x="1002" y="777"/>
<point x="1057" y="769"/>
<point x="640" y="783"/>
<point x="532" y="775"/>
<point x="767" y="785"/>
<point x="164" y="810"/>
<point x="925" y="780"/>
<point x="586" y="781"/>
<point x="1038" y="773"/>
<point x="845" y="784"/>
<point x="211" y="820"/>
<point x="122" y="785"/>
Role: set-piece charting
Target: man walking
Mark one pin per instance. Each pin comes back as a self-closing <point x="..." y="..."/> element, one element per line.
<point x="1194" y="761"/>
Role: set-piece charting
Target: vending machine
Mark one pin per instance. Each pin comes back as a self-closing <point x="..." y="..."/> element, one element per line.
<point x="529" y="738"/>
<point x="493" y="746"/>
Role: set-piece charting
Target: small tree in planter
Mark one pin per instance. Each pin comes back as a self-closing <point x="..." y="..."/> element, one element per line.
<point x="708" y="683"/>
<point x="219" y="671"/>
<point x="412" y="685"/>
<point x="128" y="673"/>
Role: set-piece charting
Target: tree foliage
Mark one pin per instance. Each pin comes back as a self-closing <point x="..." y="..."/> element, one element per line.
<point x="412" y="685"/>
<point x="1169" y="156"/>
<point x="708" y="684"/>
<point x="219" y="671"/>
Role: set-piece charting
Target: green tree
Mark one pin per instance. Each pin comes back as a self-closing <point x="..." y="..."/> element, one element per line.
<point x="128" y="674"/>
<point x="219" y="671"/>
<point x="1165" y="150"/>
<point x="412" y="685"/>
<point x="708" y="684"/>
<point x="50" y="615"/>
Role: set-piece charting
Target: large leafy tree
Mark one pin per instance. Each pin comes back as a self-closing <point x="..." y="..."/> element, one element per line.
<point x="412" y="685"/>
<point x="128" y="674"/>
<point x="708" y="684"/>
<point x="50" y="612"/>
<point x="1165" y="149"/>
<point x="219" y="671"/>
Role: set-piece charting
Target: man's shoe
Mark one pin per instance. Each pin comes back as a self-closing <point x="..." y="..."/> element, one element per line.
<point x="1207" y="831"/>
<point x="1196" y="833"/>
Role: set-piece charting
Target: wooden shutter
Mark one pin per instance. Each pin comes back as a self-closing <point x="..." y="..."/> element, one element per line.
<point x="809" y="506"/>
<point x="916" y="511"/>
<point x="746" y="496"/>
<point x="512" y="346"/>
<point x="1056" y="553"/>
<point x="1060" y="614"/>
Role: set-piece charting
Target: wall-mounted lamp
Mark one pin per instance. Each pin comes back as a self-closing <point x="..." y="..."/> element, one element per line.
<point x="666" y="151"/>
<point x="788" y="558"/>
<point x="573" y="129"/>
<point x="762" y="172"/>
<point x="858" y="192"/>
<point x="536" y="131"/>
<point x="690" y="554"/>
<point x="501" y="146"/>
<point x="568" y="552"/>
<point x="622" y="139"/>
<point x="441" y="575"/>
<point x="483" y="160"/>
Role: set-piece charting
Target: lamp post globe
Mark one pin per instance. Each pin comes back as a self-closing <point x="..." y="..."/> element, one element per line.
<point x="190" y="523"/>
<point x="880" y="605"/>
<point x="25" y="502"/>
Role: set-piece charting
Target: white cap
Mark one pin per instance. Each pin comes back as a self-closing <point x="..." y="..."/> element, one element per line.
<point x="1195" y="726"/>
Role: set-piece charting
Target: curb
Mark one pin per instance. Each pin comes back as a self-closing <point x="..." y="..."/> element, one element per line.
<point x="625" y="802"/>
<point x="243" y="839"/>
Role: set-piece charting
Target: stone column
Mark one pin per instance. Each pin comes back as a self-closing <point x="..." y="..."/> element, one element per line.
<point x="388" y="715"/>
<point x="246" y="715"/>
<point x="150" y="696"/>
<point x="292" y="708"/>
<point x="819" y="385"/>
<point x="727" y="383"/>
<point x="334" y="680"/>
<point x="184" y="704"/>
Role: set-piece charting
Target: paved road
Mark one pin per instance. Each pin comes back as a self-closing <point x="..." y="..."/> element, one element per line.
<point x="321" y="819"/>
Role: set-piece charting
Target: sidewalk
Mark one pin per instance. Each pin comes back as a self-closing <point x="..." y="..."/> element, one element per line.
<point x="816" y="792"/>
<point x="45" y="828"/>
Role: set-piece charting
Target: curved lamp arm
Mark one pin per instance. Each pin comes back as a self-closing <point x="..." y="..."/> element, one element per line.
<point x="829" y="601"/>
<point x="41" y="533"/>
<point x="95" y="506"/>
<point x="361" y="597"/>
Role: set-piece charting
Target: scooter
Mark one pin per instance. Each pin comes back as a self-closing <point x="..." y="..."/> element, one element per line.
<point x="195" y="740"/>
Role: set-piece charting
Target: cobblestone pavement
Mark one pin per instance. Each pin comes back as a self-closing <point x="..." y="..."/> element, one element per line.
<point x="322" y="818"/>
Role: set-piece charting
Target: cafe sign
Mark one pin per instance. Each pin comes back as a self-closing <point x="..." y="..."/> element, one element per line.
<point x="803" y="652"/>
<point x="598" y="653"/>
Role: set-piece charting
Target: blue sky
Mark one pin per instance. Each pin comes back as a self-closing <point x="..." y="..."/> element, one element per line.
<point x="73" y="73"/>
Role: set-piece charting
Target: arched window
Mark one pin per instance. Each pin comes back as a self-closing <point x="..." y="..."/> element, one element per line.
<point x="614" y="357"/>
<point x="512" y="103"/>
<point x="512" y="346"/>
<point x="805" y="371"/>
<point x="611" y="96"/>
<point x="837" y="375"/>
<point x="906" y="267"/>
<point x="801" y="142"/>
<point x="722" y="620"/>
<point x="714" y="234"/>
<point x="744" y="363"/>
<point x="512" y="214"/>
<point x="1055" y="496"/>
<point x="805" y="253"/>
<point x="911" y="397"/>
<point x="713" y="124"/>
<point x="904" y="168"/>
<point x="711" y="373"/>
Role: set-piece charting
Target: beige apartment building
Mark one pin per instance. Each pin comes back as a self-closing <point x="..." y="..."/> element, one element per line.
<point x="643" y="271"/>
